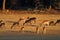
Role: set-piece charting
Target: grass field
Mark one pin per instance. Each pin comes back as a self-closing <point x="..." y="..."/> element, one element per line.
<point x="15" y="16"/>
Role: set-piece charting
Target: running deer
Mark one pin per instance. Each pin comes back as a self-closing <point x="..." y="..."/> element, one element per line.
<point x="29" y="20"/>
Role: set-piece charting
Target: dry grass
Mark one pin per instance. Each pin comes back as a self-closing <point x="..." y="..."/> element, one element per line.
<point x="15" y="15"/>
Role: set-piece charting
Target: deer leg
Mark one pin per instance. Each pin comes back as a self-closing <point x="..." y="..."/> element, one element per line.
<point x="0" y="26"/>
<point x="36" y="29"/>
<point x="22" y="28"/>
<point x="23" y="23"/>
<point x="30" y="22"/>
<point x="12" y="26"/>
<point x="34" y="21"/>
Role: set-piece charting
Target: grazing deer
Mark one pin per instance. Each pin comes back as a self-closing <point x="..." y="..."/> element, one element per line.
<point x="52" y="22"/>
<point x="14" y="23"/>
<point x="29" y="20"/>
<point x="58" y="21"/>
<point x="1" y="23"/>
<point x="48" y="22"/>
<point x="45" y="22"/>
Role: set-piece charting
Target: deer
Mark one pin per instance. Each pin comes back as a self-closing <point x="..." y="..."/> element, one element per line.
<point x="45" y="22"/>
<point x="29" y="20"/>
<point x="48" y="22"/>
<point x="14" y="23"/>
<point x="1" y="23"/>
<point x="57" y="21"/>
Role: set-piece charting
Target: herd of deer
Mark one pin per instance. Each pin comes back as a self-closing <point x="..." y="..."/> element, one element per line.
<point x="29" y="20"/>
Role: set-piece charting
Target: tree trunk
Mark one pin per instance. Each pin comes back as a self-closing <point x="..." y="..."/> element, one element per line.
<point x="3" y="5"/>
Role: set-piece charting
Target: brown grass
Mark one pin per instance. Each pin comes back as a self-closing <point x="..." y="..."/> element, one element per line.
<point x="14" y="16"/>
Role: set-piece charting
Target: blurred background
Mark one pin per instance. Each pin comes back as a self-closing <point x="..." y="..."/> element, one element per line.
<point x="30" y="4"/>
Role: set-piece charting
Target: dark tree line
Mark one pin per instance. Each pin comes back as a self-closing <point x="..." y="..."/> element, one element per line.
<point x="24" y="4"/>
